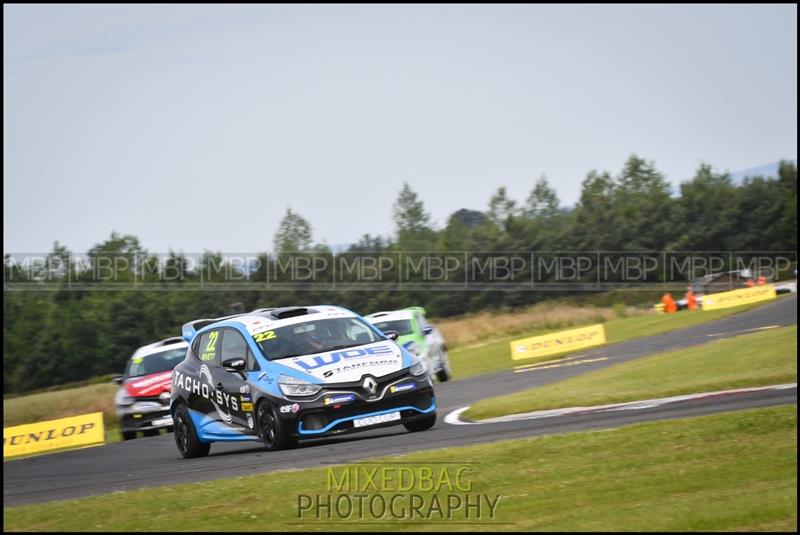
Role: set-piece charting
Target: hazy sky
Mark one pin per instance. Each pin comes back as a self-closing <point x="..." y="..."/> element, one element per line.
<point x="195" y="127"/>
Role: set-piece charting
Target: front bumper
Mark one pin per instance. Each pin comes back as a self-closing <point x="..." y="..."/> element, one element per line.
<point x="145" y="418"/>
<point x="332" y="414"/>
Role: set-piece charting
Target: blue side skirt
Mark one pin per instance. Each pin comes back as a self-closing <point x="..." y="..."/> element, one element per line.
<point x="211" y="430"/>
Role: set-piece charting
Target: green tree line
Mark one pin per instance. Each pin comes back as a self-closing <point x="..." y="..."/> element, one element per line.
<point x="69" y="333"/>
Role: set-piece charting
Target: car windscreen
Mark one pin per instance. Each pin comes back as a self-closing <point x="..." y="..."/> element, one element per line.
<point x="316" y="336"/>
<point x="403" y="327"/>
<point x="154" y="363"/>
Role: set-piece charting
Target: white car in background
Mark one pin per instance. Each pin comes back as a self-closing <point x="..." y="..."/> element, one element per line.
<point x="417" y="336"/>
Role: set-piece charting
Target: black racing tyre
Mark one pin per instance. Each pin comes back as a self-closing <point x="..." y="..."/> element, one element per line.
<point x="272" y="429"/>
<point x="423" y="424"/>
<point x="128" y="435"/>
<point x="443" y="375"/>
<point x="151" y="433"/>
<point x="186" y="439"/>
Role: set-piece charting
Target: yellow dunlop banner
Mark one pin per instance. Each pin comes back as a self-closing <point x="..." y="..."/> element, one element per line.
<point x="81" y="430"/>
<point x="550" y="344"/>
<point x="738" y="297"/>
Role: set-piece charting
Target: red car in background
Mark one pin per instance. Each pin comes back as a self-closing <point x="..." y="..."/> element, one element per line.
<point x="143" y="398"/>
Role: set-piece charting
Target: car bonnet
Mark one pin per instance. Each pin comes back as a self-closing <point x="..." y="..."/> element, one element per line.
<point x="347" y="365"/>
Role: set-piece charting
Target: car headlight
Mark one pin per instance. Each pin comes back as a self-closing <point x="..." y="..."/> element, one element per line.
<point x="418" y="368"/>
<point x="291" y="386"/>
<point x="122" y="398"/>
<point x="412" y="347"/>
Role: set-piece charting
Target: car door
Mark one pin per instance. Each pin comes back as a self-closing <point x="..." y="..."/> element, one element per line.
<point x="199" y="380"/>
<point x="234" y="391"/>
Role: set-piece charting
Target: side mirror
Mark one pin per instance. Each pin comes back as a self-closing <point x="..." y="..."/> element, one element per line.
<point x="234" y="365"/>
<point x="392" y="335"/>
<point x="118" y="379"/>
<point x="427" y="330"/>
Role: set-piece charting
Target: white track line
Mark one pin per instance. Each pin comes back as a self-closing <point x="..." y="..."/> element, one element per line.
<point x="560" y="365"/>
<point x="760" y="328"/>
<point x="550" y="361"/>
<point x="454" y="417"/>
<point x="746" y="330"/>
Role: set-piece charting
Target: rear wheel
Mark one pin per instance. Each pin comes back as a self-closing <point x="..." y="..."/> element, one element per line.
<point x="186" y="439"/>
<point x="423" y="424"/>
<point x="272" y="429"/>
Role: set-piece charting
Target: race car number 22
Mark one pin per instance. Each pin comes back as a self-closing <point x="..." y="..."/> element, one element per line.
<point x="260" y="337"/>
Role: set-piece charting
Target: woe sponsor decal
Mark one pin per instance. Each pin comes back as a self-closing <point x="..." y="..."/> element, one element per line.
<point x="349" y="364"/>
<point x="328" y="359"/>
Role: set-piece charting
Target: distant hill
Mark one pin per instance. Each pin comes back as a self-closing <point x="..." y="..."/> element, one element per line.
<point x="769" y="170"/>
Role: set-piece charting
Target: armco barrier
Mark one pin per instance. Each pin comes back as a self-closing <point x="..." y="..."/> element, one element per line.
<point x="83" y="430"/>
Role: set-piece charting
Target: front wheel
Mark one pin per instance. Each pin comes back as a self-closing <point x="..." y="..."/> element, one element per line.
<point x="443" y="374"/>
<point x="423" y="424"/>
<point x="272" y="429"/>
<point x="186" y="439"/>
<point x="128" y="435"/>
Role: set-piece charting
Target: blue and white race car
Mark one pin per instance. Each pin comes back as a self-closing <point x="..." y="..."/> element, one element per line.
<point x="277" y="375"/>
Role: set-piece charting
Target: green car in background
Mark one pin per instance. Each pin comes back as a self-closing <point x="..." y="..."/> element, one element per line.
<point x="417" y="336"/>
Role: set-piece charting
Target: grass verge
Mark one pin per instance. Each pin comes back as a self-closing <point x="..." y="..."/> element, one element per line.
<point x="62" y="403"/>
<point x="757" y="359"/>
<point x="553" y="315"/>
<point x="735" y="471"/>
<point x="495" y="355"/>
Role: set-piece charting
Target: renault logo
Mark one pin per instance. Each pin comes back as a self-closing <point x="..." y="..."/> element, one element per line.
<point x="370" y="385"/>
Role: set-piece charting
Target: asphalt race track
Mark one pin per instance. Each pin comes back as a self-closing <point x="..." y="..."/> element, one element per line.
<point x="155" y="461"/>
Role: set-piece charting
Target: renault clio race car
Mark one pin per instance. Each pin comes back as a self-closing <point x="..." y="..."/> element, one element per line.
<point x="143" y="398"/>
<point x="417" y="335"/>
<point x="283" y="374"/>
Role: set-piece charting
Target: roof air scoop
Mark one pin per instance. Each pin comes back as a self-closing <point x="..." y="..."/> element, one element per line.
<point x="289" y="312"/>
